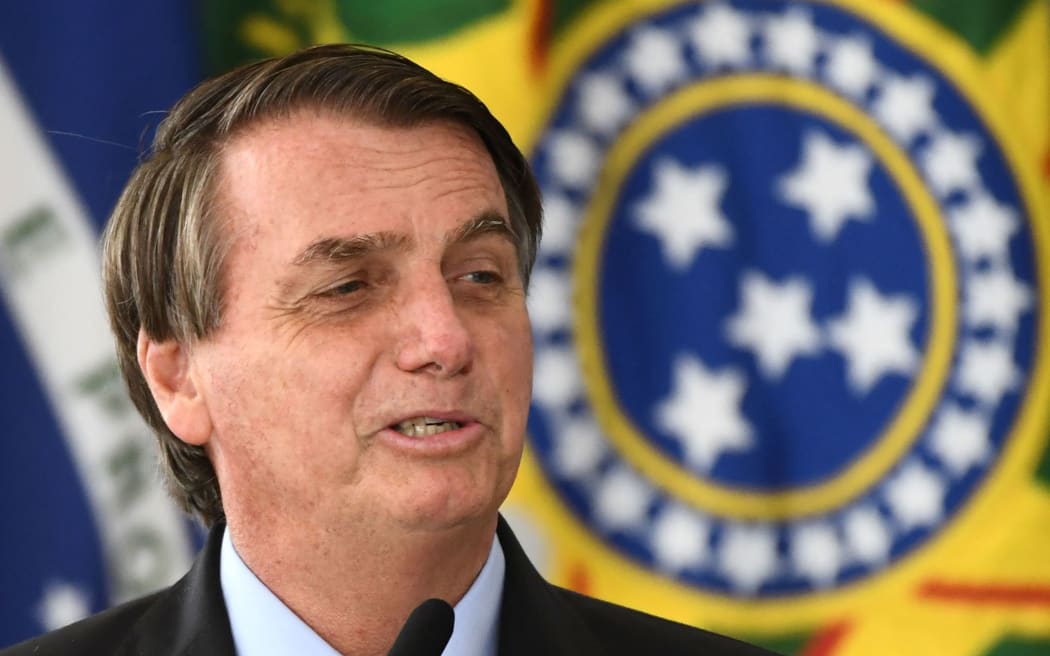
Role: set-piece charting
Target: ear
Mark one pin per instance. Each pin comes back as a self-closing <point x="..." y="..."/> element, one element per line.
<point x="172" y="379"/>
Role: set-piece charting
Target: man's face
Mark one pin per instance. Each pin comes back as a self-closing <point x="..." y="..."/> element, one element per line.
<point x="374" y="362"/>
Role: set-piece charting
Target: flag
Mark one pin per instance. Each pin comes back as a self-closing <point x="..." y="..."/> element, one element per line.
<point x="84" y="523"/>
<point x="789" y="308"/>
<point x="788" y="312"/>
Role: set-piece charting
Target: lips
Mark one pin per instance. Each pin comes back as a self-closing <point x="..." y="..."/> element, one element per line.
<point x="427" y="422"/>
<point x="425" y="426"/>
<point x="433" y="433"/>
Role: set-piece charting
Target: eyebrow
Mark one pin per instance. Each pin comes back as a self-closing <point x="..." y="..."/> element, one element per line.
<point x="485" y="223"/>
<point x="338" y="249"/>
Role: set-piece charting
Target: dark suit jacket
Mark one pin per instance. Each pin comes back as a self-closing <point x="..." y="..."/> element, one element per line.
<point x="537" y="618"/>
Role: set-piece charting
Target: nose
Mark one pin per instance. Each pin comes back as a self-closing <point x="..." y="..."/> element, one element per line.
<point x="434" y="338"/>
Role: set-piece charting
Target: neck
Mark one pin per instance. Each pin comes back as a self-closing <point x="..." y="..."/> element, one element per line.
<point x="356" y="588"/>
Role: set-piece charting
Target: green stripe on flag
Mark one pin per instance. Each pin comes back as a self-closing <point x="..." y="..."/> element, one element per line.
<point x="1016" y="646"/>
<point x="244" y="30"/>
<point x="400" y="21"/>
<point x="225" y="45"/>
<point x="979" y="22"/>
<point x="789" y="645"/>
<point x="1042" y="472"/>
<point x="565" y="11"/>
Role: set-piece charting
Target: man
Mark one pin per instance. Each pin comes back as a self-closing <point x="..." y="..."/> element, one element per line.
<point x="317" y="283"/>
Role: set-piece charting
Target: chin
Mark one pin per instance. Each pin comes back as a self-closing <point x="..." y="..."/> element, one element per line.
<point x="435" y="510"/>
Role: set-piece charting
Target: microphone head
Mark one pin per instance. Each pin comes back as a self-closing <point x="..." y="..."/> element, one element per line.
<point x="426" y="631"/>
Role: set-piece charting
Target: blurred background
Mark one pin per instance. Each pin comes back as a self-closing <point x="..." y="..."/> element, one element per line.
<point x="789" y="311"/>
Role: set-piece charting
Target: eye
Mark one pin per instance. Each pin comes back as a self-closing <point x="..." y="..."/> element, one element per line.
<point x="344" y="288"/>
<point x="483" y="277"/>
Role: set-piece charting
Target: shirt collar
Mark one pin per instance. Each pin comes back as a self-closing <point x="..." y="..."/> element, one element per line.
<point x="263" y="626"/>
<point x="476" y="631"/>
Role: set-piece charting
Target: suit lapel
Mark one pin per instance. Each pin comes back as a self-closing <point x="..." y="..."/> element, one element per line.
<point x="534" y="617"/>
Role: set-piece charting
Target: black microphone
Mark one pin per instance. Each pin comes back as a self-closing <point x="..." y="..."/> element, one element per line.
<point x="426" y="631"/>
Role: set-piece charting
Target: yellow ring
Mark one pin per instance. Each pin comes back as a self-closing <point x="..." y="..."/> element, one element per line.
<point x="908" y="421"/>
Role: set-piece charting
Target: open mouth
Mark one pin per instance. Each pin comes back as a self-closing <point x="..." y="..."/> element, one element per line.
<point x="425" y="426"/>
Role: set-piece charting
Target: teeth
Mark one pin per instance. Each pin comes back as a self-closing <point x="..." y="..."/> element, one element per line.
<point x="424" y="426"/>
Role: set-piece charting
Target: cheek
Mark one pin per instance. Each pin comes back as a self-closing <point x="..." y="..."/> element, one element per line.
<point x="521" y="377"/>
<point x="286" y="427"/>
<point x="288" y="377"/>
<point x="514" y="351"/>
<point x="263" y="395"/>
<point x="521" y="340"/>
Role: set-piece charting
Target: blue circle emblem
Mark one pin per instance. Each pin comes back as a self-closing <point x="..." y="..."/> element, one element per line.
<point x="785" y="310"/>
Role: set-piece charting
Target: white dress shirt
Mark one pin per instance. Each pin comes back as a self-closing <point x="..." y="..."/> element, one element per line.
<point x="263" y="626"/>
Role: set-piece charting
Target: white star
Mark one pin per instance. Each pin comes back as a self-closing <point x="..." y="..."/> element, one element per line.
<point x="867" y="535"/>
<point x="950" y="161"/>
<point x="622" y="499"/>
<point x="987" y="371"/>
<point x="905" y="106"/>
<point x="748" y="557"/>
<point x="960" y="439"/>
<point x="703" y="412"/>
<point x="816" y="553"/>
<point x="831" y="184"/>
<point x="983" y="227"/>
<point x="579" y="449"/>
<point x="792" y="42"/>
<point x="997" y="299"/>
<point x="774" y="322"/>
<point x="62" y="604"/>
<point x="549" y="300"/>
<point x="560" y="217"/>
<point x="603" y="103"/>
<point x="916" y="496"/>
<point x="655" y="60"/>
<point x="682" y="211"/>
<point x="722" y="36"/>
<point x="851" y="66"/>
<point x="679" y="538"/>
<point x="556" y="383"/>
<point x="873" y="335"/>
<point x="574" y="159"/>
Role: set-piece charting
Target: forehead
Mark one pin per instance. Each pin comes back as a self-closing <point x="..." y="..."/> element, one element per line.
<point x="311" y="175"/>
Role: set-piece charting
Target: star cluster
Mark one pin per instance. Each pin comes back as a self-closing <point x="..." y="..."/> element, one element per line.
<point x="872" y="333"/>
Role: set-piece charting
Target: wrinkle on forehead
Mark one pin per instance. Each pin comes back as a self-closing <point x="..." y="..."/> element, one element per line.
<point x="326" y="164"/>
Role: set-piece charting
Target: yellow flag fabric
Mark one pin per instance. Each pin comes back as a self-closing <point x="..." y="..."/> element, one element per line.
<point x="790" y="311"/>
